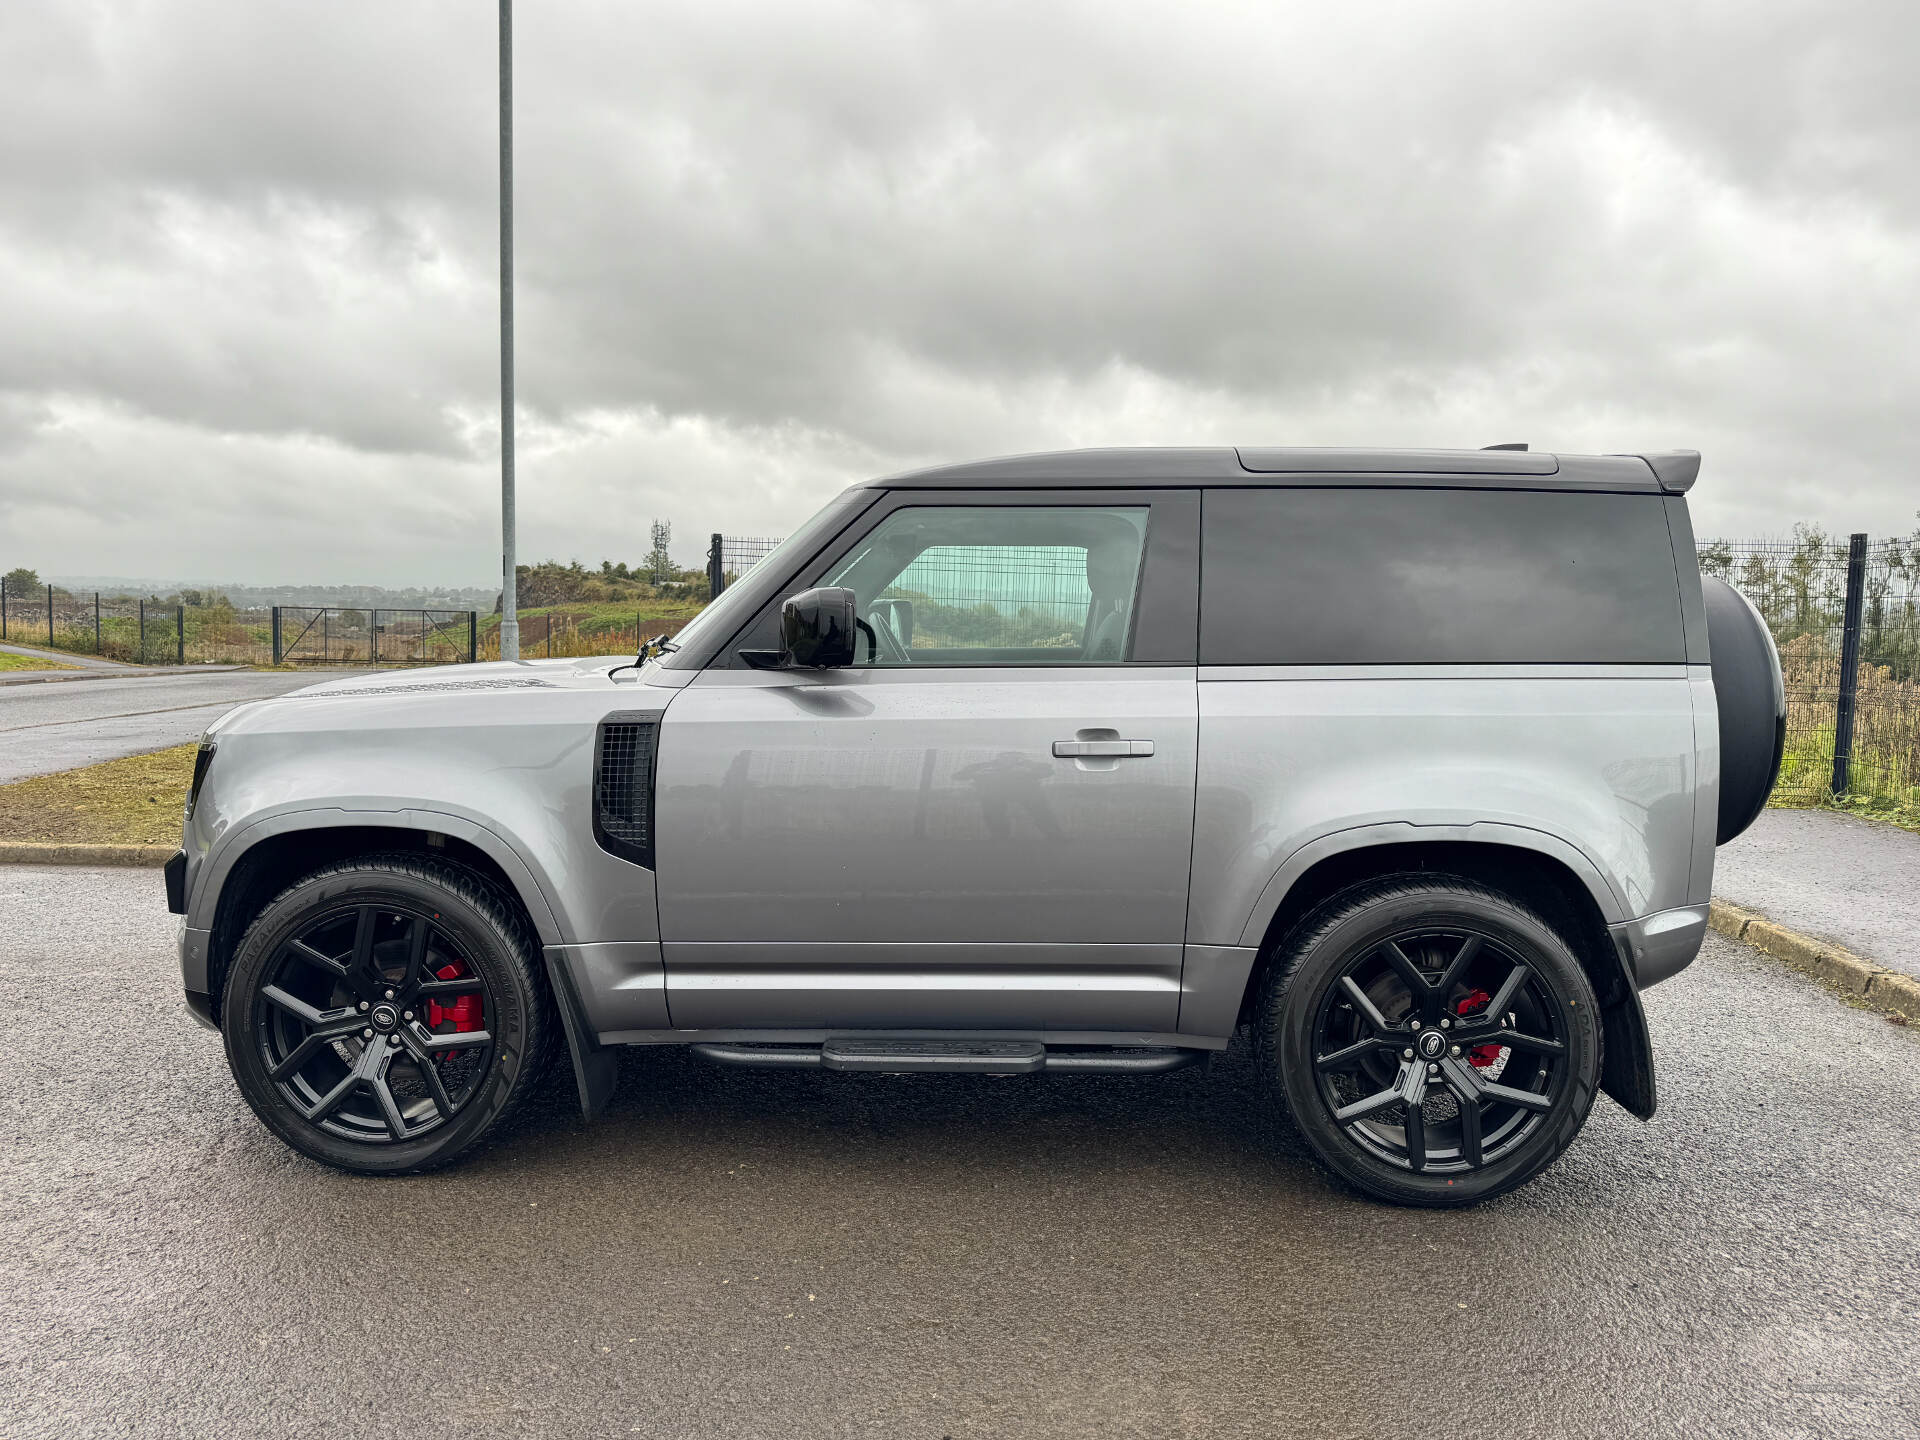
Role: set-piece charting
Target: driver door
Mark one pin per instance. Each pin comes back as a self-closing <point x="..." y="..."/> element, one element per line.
<point x="986" y="822"/>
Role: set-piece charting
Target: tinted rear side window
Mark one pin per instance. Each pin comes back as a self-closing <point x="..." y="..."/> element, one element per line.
<point x="1412" y="577"/>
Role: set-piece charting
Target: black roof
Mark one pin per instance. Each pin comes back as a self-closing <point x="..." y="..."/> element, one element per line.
<point x="1672" y="471"/>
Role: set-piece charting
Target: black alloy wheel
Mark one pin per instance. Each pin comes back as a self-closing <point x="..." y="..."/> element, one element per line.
<point x="1436" y="1042"/>
<point x="384" y="1014"/>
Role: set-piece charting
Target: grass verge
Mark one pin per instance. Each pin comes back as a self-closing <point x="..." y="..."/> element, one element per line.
<point x="11" y="661"/>
<point x="135" y="800"/>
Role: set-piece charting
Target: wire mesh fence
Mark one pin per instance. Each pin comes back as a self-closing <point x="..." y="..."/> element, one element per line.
<point x="151" y="631"/>
<point x="1800" y="587"/>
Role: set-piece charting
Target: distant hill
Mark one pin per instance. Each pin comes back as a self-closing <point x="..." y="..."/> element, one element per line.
<point x="451" y="597"/>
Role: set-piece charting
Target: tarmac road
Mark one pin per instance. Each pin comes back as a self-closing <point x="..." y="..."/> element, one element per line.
<point x="802" y="1254"/>
<point x="1839" y="878"/>
<point x="60" y="725"/>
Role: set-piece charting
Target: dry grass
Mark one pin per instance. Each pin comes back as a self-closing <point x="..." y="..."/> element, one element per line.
<point x="136" y="800"/>
<point x="11" y="661"/>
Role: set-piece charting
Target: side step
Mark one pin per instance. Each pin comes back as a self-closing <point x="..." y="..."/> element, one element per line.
<point x="974" y="1057"/>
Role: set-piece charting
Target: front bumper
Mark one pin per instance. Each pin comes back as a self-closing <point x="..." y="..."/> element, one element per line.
<point x="1658" y="946"/>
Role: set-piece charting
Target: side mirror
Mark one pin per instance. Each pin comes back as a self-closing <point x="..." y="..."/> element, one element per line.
<point x="817" y="628"/>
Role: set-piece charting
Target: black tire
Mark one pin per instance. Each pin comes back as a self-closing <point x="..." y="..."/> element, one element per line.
<point x="1309" y="1015"/>
<point x="1751" y="698"/>
<point x="472" y="931"/>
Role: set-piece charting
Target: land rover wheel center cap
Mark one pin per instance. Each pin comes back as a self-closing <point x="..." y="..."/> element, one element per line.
<point x="384" y="1018"/>
<point x="1430" y="1044"/>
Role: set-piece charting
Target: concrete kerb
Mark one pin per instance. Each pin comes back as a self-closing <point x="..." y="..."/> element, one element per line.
<point x="1840" y="970"/>
<point x="38" y="852"/>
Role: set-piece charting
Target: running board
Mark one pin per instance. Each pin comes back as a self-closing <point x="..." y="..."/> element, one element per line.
<point x="975" y="1057"/>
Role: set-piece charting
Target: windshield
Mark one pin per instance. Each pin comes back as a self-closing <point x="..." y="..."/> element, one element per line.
<point x="738" y="602"/>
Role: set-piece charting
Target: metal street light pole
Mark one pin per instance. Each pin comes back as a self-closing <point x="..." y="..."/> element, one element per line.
<point x="509" y="601"/>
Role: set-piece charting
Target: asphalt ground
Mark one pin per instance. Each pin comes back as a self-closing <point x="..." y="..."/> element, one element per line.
<point x="58" y="726"/>
<point x="799" y="1254"/>
<point x="1835" y="877"/>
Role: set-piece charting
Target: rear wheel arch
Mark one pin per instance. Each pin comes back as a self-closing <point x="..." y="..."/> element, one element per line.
<point x="1540" y="881"/>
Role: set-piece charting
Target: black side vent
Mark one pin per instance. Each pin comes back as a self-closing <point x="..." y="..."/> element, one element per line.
<point x="623" y="785"/>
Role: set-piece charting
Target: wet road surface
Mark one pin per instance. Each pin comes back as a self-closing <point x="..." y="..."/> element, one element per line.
<point x="799" y="1254"/>
<point x="58" y="726"/>
<point x="1836" y="877"/>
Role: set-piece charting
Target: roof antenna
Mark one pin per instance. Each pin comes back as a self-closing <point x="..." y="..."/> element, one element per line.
<point x="1510" y="445"/>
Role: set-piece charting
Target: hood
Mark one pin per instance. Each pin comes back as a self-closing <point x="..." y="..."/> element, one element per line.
<point x="408" y="697"/>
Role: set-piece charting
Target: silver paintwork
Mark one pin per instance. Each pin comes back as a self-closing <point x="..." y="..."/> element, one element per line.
<point x="1079" y="854"/>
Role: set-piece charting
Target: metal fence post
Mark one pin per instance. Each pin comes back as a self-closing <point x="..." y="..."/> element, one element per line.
<point x="49" y="617"/>
<point x="373" y="637"/>
<point x="1849" y="664"/>
<point x="179" y="634"/>
<point x="276" y="634"/>
<point x="143" y="630"/>
<point x="473" y="636"/>
<point x="96" y="622"/>
<point x="716" y="574"/>
<point x="3" y="608"/>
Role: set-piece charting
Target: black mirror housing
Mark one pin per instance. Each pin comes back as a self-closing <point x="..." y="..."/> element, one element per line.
<point x="817" y="628"/>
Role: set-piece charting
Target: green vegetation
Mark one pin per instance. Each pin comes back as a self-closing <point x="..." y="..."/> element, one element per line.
<point x="136" y="800"/>
<point x="10" y="661"/>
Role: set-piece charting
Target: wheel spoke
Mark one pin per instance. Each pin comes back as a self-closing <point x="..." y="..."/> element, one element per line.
<point x="1359" y="1050"/>
<point x="314" y="1042"/>
<point x="1416" y="1130"/>
<point x="430" y="1073"/>
<point x="1538" y="1044"/>
<point x="433" y="1044"/>
<point x="1410" y="973"/>
<point x="383" y="1092"/>
<point x="1372" y="1105"/>
<point x="1509" y="988"/>
<point x="417" y="934"/>
<point x="363" y="949"/>
<point x="1525" y="1099"/>
<point x="1458" y="966"/>
<point x="462" y="985"/>
<point x="330" y="1102"/>
<point x="1366" y="1007"/>
<point x="306" y="952"/>
<point x="302" y="1011"/>
<point x="1470" y="1132"/>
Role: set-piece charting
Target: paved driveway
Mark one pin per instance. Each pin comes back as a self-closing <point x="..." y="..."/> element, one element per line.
<point x="57" y="726"/>
<point x="797" y="1254"/>
<point x="1848" y="881"/>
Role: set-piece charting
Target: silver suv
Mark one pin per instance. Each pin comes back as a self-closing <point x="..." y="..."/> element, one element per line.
<point x="1411" y="763"/>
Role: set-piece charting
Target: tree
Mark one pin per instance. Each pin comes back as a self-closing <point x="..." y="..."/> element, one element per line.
<point x="22" y="581"/>
<point x="659" y="562"/>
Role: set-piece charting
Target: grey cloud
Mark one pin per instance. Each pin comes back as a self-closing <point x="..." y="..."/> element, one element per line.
<point x="759" y="242"/>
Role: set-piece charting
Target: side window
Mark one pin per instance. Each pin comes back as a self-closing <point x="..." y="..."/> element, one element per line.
<point x="997" y="585"/>
<point x="1380" y="576"/>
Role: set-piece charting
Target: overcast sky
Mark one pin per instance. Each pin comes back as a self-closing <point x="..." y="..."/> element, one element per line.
<point x="248" y="258"/>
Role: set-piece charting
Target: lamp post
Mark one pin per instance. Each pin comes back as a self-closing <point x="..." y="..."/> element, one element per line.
<point x="509" y="601"/>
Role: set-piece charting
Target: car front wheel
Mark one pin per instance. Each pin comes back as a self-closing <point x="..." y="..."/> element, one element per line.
<point x="1436" y="1042"/>
<point x="385" y="1014"/>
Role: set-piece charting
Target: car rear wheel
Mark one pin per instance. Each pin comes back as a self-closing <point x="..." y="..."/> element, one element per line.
<point x="1436" y="1043"/>
<point x="384" y="1015"/>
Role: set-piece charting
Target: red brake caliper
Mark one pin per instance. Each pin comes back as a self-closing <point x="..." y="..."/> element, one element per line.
<point x="1481" y="1055"/>
<point x="466" y="1011"/>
